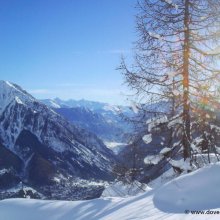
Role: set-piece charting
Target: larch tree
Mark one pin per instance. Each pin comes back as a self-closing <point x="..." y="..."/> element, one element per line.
<point x="176" y="62"/>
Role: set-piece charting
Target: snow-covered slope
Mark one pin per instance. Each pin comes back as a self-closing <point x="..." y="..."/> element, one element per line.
<point x="122" y="189"/>
<point x="10" y="92"/>
<point x="37" y="145"/>
<point x="198" y="190"/>
<point x="178" y="199"/>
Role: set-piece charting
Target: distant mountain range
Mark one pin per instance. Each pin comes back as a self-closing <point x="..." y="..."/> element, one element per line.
<point x="92" y="105"/>
<point x="43" y="150"/>
<point x="105" y="120"/>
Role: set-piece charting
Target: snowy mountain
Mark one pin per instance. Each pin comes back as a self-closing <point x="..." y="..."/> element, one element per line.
<point x="92" y="105"/>
<point x="94" y="122"/>
<point x="42" y="149"/>
<point x="192" y="196"/>
<point x="102" y="119"/>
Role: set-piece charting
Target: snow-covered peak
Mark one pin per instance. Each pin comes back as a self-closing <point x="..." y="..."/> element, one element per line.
<point x="51" y="103"/>
<point x="11" y="92"/>
<point x="112" y="108"/>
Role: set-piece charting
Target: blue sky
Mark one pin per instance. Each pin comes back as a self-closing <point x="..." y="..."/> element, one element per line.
<point x="66" y="48"/>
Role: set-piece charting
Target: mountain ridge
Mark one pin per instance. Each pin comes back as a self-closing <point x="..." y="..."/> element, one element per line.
<point x="36" y="136"/>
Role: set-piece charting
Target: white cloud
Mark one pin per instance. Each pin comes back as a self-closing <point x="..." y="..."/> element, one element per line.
<point x="41" y="91"/>
<point x="114" y="51"/>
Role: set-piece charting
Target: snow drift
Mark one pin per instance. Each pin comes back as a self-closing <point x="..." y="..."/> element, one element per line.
<point x="198" y="190"/>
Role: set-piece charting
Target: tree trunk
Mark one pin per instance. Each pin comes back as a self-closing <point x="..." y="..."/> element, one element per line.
<point x="186" y="101"/>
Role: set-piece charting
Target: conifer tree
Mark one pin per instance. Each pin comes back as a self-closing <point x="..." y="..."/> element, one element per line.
<point x="175" y="62"/>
